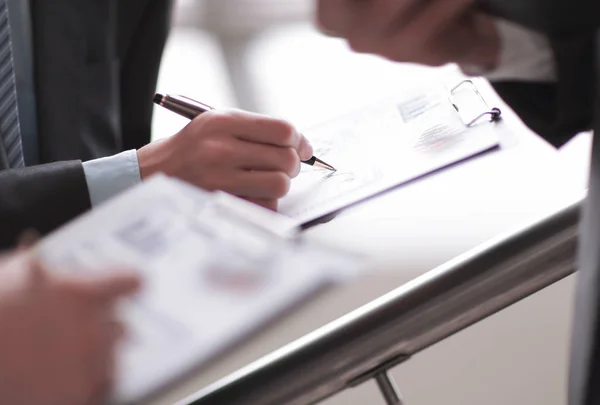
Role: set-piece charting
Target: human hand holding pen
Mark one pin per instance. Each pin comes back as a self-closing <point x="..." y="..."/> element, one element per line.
<point x="248" y="155"/>
<point x="189" y="108"/>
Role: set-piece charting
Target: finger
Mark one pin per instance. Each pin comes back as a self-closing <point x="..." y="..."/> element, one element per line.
<point x="253" y="156"/>
<point x="99" y="333"/>
<point x="256" y="128"/>
<point x="115" y="286"/>
<point x="305" y="149"/>
<point x="103" y="288"/>
<point x="268" y="204"/>
<point x="270" y="131"/>
<point x="428" y="24"/>
<point x="117" y="330"/>
<point x="411" y="10"/>
<point x="334" y="16"/>
<point x="451" y="45"/>
<point x="38" y="273"/>
<point x="21" y="268"/>
<point x="267" y="185"/>
<point x="98" y="392"/>
<point x="376" y="20"/>
<point x="9" y="258"/>
<point x="100" y="365"/>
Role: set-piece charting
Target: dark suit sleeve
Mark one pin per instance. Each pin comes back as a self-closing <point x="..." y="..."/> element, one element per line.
<point x="557" y="111"/>
<point x="41" y="197"/>
<point x="143" y="28"/>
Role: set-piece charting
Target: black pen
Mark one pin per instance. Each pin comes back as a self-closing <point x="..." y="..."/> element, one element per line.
<point x="189" y="108"/>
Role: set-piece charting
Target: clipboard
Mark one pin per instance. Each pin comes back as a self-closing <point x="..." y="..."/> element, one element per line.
<point x="483" y="112"/>
<point x="390" y="144"/>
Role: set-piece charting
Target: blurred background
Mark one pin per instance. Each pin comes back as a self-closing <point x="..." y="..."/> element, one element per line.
<point x="266" y="56"/>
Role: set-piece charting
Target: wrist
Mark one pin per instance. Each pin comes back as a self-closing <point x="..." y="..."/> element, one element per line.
<point x="156" y="158"/>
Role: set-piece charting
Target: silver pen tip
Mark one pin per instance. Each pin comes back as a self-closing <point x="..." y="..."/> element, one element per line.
<point x="323" y="165"/>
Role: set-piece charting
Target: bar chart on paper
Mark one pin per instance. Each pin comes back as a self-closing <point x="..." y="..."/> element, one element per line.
<point x="381" y="147"/>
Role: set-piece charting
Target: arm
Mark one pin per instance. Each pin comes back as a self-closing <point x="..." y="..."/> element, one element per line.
<point x="143" y="27"/>
<point x="96" y="67"/>
<point x="437" y="32"/>
<point x="214" y="152"/>
<point x="40" y="197"/>
<point x="545" y="81"/>
<point x="47" y="196"/>
<point x="109" y="176"/>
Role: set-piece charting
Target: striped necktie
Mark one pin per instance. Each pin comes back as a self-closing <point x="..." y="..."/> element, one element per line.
<point x="10" y="130"/>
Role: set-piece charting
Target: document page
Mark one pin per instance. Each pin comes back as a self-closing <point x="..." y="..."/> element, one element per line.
<point x="214" y="269"/>
<point x="380" y="147"/>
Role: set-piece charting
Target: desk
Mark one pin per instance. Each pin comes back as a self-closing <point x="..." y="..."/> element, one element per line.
<point x="417" y="227"/>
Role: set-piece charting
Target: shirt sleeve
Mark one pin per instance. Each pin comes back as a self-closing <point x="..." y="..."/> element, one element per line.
<point x="525" y="55"/>
<point x="107" y="177"/>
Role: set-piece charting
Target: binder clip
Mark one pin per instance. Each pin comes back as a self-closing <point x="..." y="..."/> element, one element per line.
<point x="474" y="109"/>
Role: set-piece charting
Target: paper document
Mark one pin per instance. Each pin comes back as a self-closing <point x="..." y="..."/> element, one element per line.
<point x="380" y="147"/>
<point x="215" y="268"/>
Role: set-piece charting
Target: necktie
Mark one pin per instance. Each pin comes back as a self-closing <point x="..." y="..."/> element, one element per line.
<point x="10" y="130"/>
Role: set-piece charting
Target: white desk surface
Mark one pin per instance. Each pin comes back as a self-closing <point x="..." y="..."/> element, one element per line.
<point x="421" y="225"/>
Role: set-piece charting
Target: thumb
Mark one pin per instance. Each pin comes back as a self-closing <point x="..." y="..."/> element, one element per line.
<point x="269" y="204"/>
<point x="107" y="287"/>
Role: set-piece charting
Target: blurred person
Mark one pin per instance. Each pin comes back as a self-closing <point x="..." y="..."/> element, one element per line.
<point x="550" y="82"/>
<point x="545" y="80"/>
<point x="59" y="332"/>
<point x="84" y="108"/>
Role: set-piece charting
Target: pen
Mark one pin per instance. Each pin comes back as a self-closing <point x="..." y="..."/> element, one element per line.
<point x="189" y="108"/>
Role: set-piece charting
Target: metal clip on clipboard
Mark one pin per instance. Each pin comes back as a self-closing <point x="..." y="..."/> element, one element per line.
<point x="471" y="105"/>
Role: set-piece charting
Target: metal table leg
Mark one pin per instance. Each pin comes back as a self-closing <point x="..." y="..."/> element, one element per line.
<point x="388" y="388"/>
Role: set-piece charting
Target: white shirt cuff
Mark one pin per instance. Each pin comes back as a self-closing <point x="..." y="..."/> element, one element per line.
<point x="525" y="55"/>
<point x="109" y="176"/>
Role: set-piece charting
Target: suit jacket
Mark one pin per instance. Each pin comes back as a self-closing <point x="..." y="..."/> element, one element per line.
<point x="96" y="68"/>
<point x="557" y="112"/>
<point x="41" y="198"/>
<point x="97" y="63"/>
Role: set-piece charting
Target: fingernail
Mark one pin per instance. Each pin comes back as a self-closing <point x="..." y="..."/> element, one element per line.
<point x="307" y="151"/>
<point x="310" y="152"/>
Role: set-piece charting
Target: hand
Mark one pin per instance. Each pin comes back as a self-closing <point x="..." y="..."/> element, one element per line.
<point x="57" y="333"/>
<point x="431" y="32"/>
<point x="247" y="155"/>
